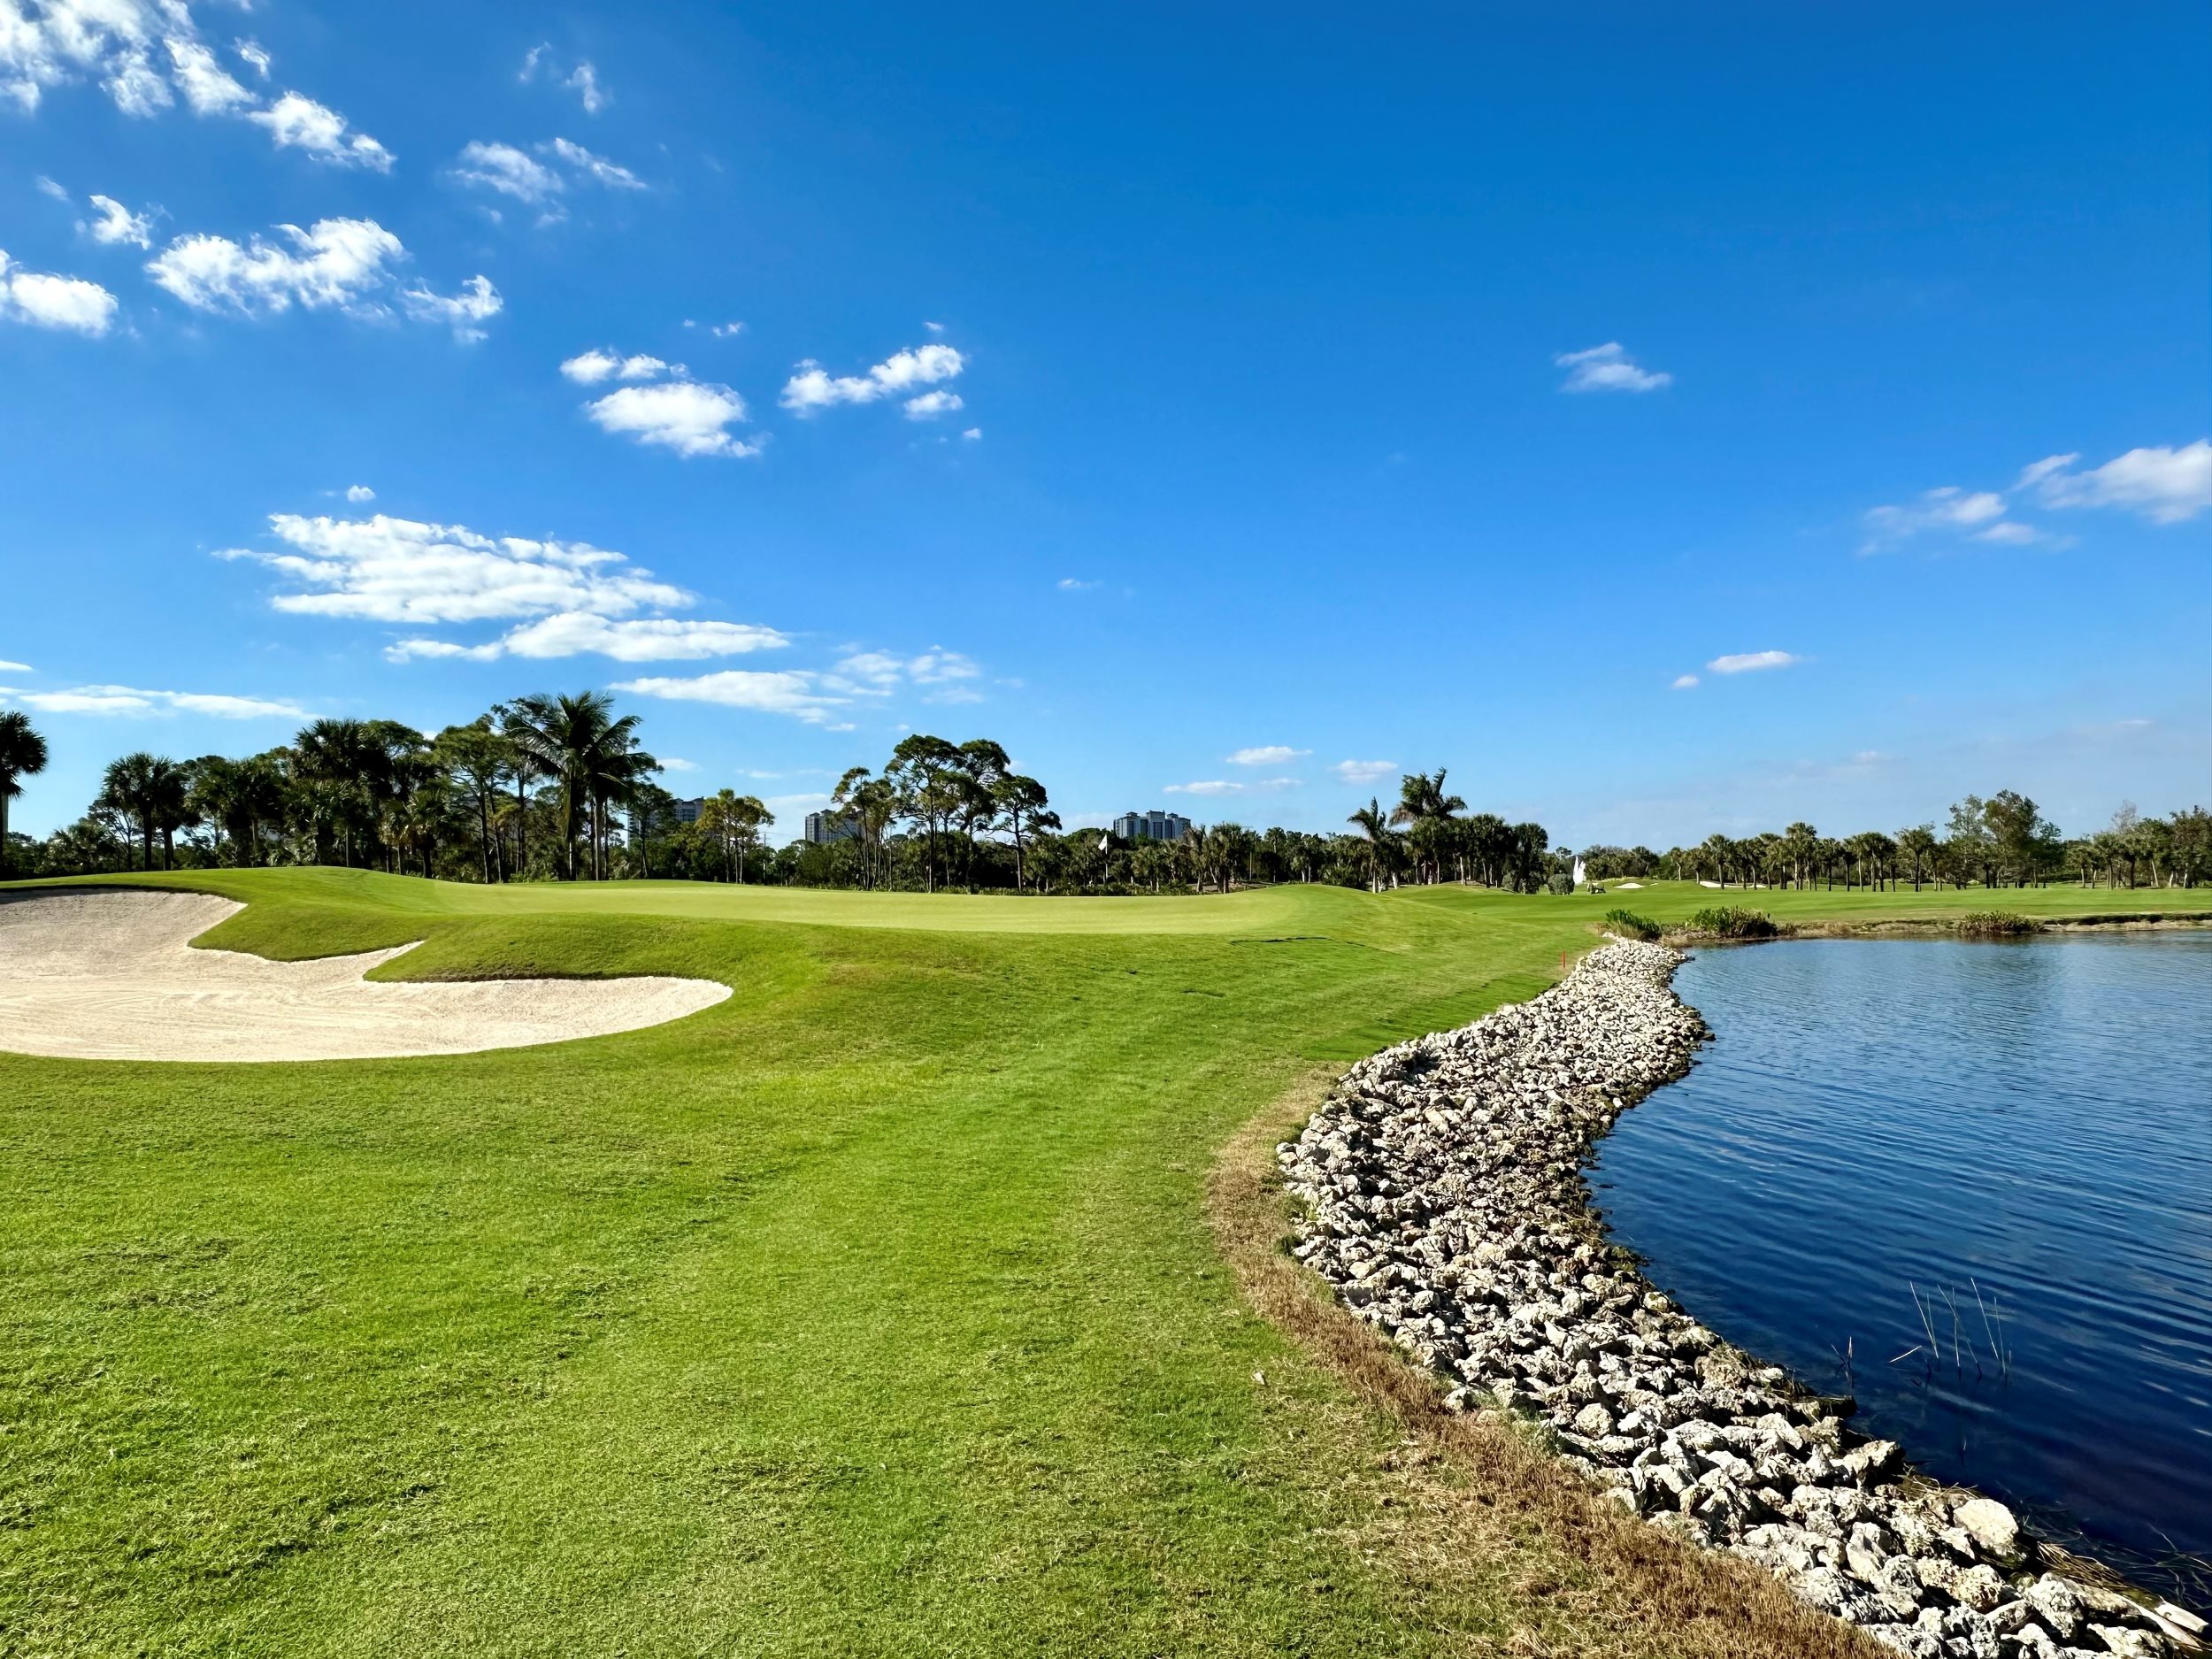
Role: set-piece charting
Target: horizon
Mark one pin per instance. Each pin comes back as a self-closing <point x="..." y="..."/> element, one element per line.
<point x="1671" y="426"/>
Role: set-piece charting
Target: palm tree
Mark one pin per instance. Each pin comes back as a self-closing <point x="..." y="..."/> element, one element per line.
<point x="1372" y="823"/>
<point x="150" y="790"/>
<point x="1427" y="809"/>
<point x="337" y="754"/>
<point x="22" y="754"/>
<point x="576" y="741"/>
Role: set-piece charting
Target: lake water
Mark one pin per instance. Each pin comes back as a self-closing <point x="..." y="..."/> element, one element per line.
<point x="2032" y="1120"/>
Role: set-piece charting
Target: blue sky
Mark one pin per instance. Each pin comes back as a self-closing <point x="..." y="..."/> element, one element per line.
<point x="1224" y="411"/>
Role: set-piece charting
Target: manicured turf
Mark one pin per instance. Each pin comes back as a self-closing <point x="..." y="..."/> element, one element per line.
<point x="872" y="1311"/>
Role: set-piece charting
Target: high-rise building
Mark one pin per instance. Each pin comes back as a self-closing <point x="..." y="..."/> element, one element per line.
<point x="822" y="828"/>
<point x="681" y="812"/>
<point x="1151" y="826"/>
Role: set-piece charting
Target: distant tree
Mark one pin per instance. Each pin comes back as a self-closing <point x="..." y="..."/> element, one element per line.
<point x="1916" y="846"/>
<point x="151" y="792"/>
<point x="22" y="754"/>
<point x="928" y="780"/>
<point x="1023" y="804"/>
<point x="1374" y="825"/>
<point x="479" y="760"/>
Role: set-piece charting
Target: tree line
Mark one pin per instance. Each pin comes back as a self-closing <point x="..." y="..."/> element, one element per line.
<point x="553" y="786"/>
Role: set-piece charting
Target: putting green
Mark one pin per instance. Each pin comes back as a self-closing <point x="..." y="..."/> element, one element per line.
<point x="872" y="1310"/>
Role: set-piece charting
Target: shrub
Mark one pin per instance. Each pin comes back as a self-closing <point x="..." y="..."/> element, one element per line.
<point x="1733" y="921"/>
<point x="1997" y="924"/>
<point x="1628" y="924"/>
<point x="1561" y="885"/>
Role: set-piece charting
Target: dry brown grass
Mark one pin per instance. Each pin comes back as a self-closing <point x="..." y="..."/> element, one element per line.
<point x="1470" y="1508"/>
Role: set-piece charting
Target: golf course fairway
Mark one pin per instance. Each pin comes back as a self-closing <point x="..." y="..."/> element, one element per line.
<point x="882" y="1308"/>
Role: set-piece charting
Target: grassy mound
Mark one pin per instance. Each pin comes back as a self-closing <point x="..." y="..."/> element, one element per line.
<point x="1628" y="924"/>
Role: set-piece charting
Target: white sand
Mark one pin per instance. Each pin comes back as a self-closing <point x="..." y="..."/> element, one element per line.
<point x="111" y="976"/>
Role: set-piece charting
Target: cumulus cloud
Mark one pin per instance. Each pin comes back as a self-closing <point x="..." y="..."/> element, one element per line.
<point x="676" y="763"/>
<point x="1364" y="770"/>
<point x="397" y="570"/>
<point x="725" y="331"/>
<point x="790" y="692"/>
<point x="144" y="53"/>
<point x="689" y="416"/>
<point x="589" y="368"/>
<point x="359" y="492"/>
<point x="1608" y="368"/>
<point x="1223" y="786"/>
<point x="14" y="668"/>
<point x="343" y="264"/>
<point x="1683" y="682"/>
<point x="1267" y="754"/>
<point x="580" y="633"/>
<point x="2164" y="485"/>
<point x="112" y="223"/>
<point x="1752" y="662"/>
<point x="929" y="405"/>
<point x="813" y="388"/>
<point x="540" y="175"/>
<point x="42" y="300"/>
<point x="133" y="700"/>
<point x="300" y="123"/>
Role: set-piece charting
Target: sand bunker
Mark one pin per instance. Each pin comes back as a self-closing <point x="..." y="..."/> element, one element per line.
<point x="111" y="976"/>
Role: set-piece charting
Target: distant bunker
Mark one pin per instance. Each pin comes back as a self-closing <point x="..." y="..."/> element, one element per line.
<point x="111" y="975"/>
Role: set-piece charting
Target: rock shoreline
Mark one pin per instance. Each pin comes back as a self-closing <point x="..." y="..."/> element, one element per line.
<point x="1445" y="1201"/>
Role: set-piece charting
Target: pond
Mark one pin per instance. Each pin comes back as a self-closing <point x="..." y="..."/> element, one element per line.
<point x="1969" y="1184"/>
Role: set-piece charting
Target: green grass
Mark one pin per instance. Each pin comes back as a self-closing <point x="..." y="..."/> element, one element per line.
<point x="872" y="1311"/>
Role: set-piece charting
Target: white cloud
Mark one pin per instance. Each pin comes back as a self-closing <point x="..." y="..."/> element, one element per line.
<point x="723" y="331"/>
<point x="520" y="173"/>
<point x="510" y="171"/>
<point x="344" y="265"/>
<point x="813" y="388"/>
<point x="583" y="79"/>
<point x="114" y="223"/>
<point x="589" y="368"/>
<point x="47" y="187"/>
<point x="359" y="492"/>
<point x="1608" y="368"/>
<point x="296" y="122"/>
<point x="1266" y="755"/>
<point x="397" y="570"/>
<point x="691" y="418"/>
<point x="676" y="763"/>
<point x="131" y="700"/>
<point x="972" y="434"/>
<point x="1949" y="508"/>
<point x="1364" y="770"/>
<point x="579" y="633"/>
<point x="877" y="673"/>
<point x="45" y="300"/>
<point x="929" y="405"/>
<point x="2008" y="532"/>
<point x="14" y="668"/>
<point x="1683" y="682"/>
<point x="596" y="167"/>
<point x="1222" y="785"/>
<point x="465" y="312"/>
<point x="1751" y="661"/>
<point x="208" y="88"/>
<point x="337" y="263"/>
<point x="1075" y="585"/>
<point x="934" y="328"/>
<point x="2164" y="485"/>
<point x="791" y="692"/>
<point x="143" y="53"/>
